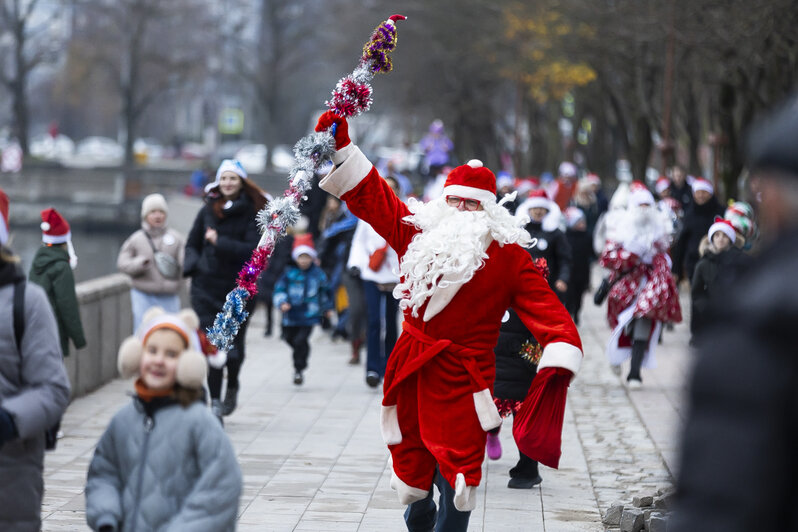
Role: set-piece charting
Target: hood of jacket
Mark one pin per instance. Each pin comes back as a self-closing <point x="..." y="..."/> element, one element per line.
<point x="46" y="256"/>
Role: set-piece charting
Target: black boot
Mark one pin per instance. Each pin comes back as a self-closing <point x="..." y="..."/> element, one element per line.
<point x="638" y="352"/>
<point x="230" y="401"/>
<point x="525" y="474"/>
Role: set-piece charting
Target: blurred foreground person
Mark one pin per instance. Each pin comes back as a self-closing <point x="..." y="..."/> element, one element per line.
<point x="34" y="388"/>
<point x="738" y="465"/>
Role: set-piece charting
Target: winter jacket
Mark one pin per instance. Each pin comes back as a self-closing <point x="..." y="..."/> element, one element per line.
<point x="214" y="268"/>
<point x="136" y="259"/>
<point x="365" y="242"/>
<point x="308" y="293"/>
<point x="51" y="271"/>
<point x="737" y="462"/>
<point x="34" y="390"/>
<point x="581" y="244"/>
<point x="553" y="247"/>
<point x="683" y="194"/>
<point x="278" y="261"/>
<point x="160" y="466"/>
<point x="513" y="373"/>
<point x="696" y="223"/>
<point x="714" y="273"/>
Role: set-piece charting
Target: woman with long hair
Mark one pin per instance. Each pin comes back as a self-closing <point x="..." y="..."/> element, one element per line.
<point x="219" y="243"/>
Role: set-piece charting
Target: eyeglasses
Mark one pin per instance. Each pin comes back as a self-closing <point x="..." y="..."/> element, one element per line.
<point x="456" y="201"/>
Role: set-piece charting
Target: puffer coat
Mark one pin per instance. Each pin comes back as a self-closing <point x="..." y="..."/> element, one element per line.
<point x="162" y="467"/>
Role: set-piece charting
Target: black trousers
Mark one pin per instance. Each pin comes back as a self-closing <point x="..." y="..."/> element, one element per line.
<point x="297" y="337"/>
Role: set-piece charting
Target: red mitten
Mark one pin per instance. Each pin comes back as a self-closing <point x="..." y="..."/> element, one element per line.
<point x="341" y="129"/>
<point x="537" y="427"/>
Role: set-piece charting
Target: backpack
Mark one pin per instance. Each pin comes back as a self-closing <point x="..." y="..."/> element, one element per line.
<point x="51" y="434"/>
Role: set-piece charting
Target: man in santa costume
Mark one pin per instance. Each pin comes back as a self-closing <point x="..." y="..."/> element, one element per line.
<point x="462" y="264"/>
<point x="643" y="293"/>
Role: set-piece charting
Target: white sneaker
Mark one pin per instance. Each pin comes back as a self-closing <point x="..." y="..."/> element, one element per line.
<point x="634" y="384"/>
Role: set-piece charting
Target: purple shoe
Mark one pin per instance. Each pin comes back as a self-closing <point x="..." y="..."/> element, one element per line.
<point x="494" y="447"/>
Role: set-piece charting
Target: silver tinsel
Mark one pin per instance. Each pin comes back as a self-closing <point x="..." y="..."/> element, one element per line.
<point x="278" y="215"/>
<point x="317" y="147"/>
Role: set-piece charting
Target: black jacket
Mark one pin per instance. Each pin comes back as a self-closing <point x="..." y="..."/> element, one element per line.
<point x="683" y="193"/>
<point x="697" y="220"/>
<point x="738" y="455"/>
<point x="714" y="273"/>
<point x="214" y="269"/>
<point x="513" y="374"/>
<point x="553" y="247"/>
<point x="581" y="244"/>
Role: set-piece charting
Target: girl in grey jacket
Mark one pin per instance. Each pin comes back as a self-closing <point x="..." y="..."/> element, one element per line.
<point x="164" y="462"/>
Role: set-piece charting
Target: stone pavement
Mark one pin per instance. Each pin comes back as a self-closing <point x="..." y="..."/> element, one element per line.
<point x="313" y="458"/>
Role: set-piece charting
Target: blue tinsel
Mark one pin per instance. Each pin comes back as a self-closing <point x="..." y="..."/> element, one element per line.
<point x="229" y="320"/>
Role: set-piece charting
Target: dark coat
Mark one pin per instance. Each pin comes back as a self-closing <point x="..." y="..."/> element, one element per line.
<point x="683" y="194"/>
<point x="214" y="269"/>
<point x="714" y="273"/>
<point x="513" y="374"/>
<point x="737" y="463"/>
<point x="278" y="261"/>
<point x="553" y="247"/>
<point x="581" y="244"/>
<point x="696" y="223"/>
<point x="51" y="271"/>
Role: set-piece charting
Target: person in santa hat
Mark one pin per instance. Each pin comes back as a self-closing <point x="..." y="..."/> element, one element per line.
<point x="462" y="264"/>
<point x="542" y="220"/>
<point x="52" y="270"/>
<point x="564" y="187"/>
<point x="720" y="260"/>
<point x="697" y="218"/>
<point x="303" y="296"/>
<point x="581" y="243"/>
<point x="643" y="293"/>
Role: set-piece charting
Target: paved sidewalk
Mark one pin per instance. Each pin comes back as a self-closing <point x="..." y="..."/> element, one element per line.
<point x="313" y="458"/>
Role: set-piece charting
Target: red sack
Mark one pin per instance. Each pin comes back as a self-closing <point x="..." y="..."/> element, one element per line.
<point x="377" y="258"/>
<point x="537" y="427"/>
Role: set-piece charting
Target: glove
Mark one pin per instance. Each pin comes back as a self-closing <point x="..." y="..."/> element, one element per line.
<point x="341" y="131"/>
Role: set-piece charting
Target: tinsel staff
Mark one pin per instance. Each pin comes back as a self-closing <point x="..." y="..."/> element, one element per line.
<point x="351" y="97"/>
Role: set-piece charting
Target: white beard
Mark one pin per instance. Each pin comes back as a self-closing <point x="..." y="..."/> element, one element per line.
<point x="643" y="226"/>
<point x="451" y="243"/>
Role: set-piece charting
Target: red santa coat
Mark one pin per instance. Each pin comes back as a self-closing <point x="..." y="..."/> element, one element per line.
<point x="437" y="401"/>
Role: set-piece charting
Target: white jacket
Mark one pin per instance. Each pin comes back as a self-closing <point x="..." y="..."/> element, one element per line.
<point x="365" y="242"/>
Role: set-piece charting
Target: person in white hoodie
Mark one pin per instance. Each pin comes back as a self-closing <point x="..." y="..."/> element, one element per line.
<point x="378" y="265"/>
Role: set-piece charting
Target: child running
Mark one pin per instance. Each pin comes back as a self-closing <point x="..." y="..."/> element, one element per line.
<point x="164" y="462"/>
<point x="303" y="295"/>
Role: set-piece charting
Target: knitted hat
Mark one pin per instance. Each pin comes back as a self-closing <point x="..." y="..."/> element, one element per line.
<point x="3" y="217"/>
<point x="724" y="226"/>
<point x="662" y="184"/>
<point x="153" y="202"/>
<point x="471" y="180"/>
<point x="640" y="196"/>
<point x="573" y="215"/>
<point x="567" y="169"/>
<point x="303" y="244"/>
<point x="227" y="165"/>
<point x="537" y="199"/>
<point x="191" y="367"/>
<point x="699" y="183"/>
<point x="55" y="229"/>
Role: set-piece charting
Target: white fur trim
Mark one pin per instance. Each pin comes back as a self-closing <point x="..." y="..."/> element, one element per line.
<point x="465" y="497"/>
<point x="407" y="494"/>
<point x="299" y="250"/>
<point x="723" y="228"/>
<point x="389" y="425"/>
<point x="218" y="359"/>
<point x="3" y="231"/>
<point x="485" y="196"/>
<point x="703" y="184"/>
<point x="57" y="239"/>
<point x="45" y="226"/>
<point x="561" y="355"/>
<point x="351" y="168"/>
<point x="487" y="412"/>
<point x="537" y="203"/>
<point x="474" y="163"/>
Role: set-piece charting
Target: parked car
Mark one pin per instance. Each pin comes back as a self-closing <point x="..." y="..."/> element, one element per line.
<point x="253" y="157"/>
<point x="52" y="149"/>
<point x="148" y="150"/>
<point x="100" y="150"/>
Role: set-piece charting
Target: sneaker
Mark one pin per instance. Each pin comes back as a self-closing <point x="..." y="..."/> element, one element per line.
<point x="216" y="408"/>
<point x="230" y="401"/>
<point x="524" y="483"/>
<point x="373" y="379"/>
<point x="634" y="384"/>
<point x="298" y="378"/>
<point x="494" y="446"/>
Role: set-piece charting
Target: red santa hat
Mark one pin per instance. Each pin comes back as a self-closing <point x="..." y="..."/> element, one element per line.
<point x="537" y="199"/>
<point x="3" y="217"/>
<point x="303" y="245"/>
<point x="662" y="184"/>
<point x="593" y="179"/>
<point x="55" y="229"/>
<point x="473" y="181"/>
<point x="724" y="226"/>
<point x="699" y="183"/>
<point x="637" y="185"/>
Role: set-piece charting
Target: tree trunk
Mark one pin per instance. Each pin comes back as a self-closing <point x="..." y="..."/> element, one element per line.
<point x="641" y="149"/>
<point x="693" y="128"/>
<point x="19" y="87"/>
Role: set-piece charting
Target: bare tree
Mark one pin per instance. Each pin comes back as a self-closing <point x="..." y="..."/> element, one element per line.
<point x="29" y="37"/>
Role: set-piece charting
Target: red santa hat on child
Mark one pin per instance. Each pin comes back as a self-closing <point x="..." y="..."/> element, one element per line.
<point x="662" y="184"/>
<point x="473" y="181"/>
<point x="699" y="183"/>
<point x="303" y="244"/>
<point x="55" y="229"/>
<point x="191" y="366"/>
<point x="3" y="217"/>
<point x="724" y="226"/>
<point x="537" y="199"/>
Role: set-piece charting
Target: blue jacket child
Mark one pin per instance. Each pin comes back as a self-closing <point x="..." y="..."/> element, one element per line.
<point x="303" y="296"/>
